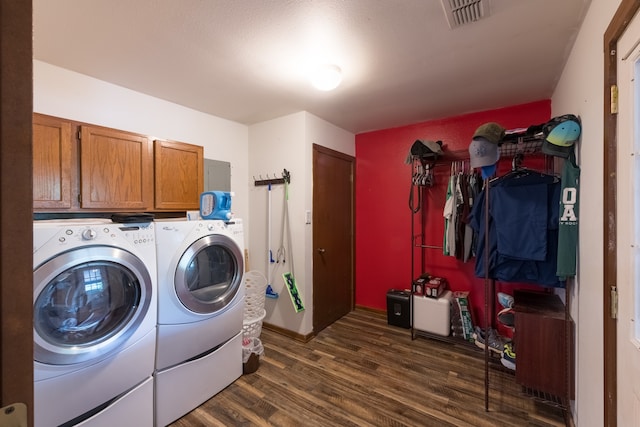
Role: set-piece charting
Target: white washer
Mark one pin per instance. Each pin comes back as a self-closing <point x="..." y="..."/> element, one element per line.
<point x="200" y="312"/>
<point x="95" y="313"/>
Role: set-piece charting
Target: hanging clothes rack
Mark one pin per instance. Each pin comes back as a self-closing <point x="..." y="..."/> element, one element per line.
<point x="457" y="161"/>
<point x="517" y="144"/>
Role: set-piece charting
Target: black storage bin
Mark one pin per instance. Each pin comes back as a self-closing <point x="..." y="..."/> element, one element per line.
<point x="399" y="308"/>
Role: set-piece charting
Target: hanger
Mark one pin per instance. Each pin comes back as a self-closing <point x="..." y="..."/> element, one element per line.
<point x="521" y="172"/>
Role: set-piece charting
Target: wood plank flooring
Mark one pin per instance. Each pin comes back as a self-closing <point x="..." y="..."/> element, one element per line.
<point x="362" y="372"/>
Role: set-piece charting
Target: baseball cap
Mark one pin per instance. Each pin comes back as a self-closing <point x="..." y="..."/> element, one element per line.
<point x="491" y="131"/>
<point x="424" y="148"/>
<point x="561" y="133"/>
<point x="434" y="146"/>
<point x="483" y="152"/>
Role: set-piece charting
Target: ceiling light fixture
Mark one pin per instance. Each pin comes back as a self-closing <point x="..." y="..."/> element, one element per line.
<point x="326" y="77"/>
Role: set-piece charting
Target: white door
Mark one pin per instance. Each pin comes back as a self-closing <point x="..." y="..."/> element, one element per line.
<point x="628" y="227"/>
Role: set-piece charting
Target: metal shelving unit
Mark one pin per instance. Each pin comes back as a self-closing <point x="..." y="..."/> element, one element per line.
<point x="517" y="148"/>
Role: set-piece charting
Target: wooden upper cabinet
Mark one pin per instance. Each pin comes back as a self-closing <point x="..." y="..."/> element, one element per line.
<point x="116" y="169"/>
<point x="179" y="175"/>
<point x="78" y="166"/>
<point x="52" y="158"/>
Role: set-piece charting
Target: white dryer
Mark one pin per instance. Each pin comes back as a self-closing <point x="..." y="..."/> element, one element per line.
<point x="95" y="313"/>
<point x="200" y="312"/>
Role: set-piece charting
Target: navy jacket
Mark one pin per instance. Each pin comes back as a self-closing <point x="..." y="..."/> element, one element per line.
<point x="523" y="228"/>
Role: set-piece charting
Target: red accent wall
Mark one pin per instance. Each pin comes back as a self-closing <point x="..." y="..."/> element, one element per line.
<point x="383" y="217"/>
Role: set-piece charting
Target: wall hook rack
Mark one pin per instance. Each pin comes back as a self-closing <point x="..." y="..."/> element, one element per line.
<point x="286" y="177"/>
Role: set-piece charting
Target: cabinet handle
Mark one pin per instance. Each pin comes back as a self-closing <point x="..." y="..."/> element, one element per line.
<point x="321" y="250"/>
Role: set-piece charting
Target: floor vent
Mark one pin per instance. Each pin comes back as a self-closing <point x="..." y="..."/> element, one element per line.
<point x="461" y="12"/>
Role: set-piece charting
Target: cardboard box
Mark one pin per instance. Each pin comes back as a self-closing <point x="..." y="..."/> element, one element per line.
<point x="419" y="286"/>
<point x="435" y="287"/>
<point x="461" y="301"/>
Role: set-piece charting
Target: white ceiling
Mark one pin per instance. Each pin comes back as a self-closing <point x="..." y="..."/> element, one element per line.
<point x="244" y="60"/>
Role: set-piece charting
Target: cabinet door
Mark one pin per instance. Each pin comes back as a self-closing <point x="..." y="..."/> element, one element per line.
<point x="52" y="146"/>
<point x="179" y="175"/>
<point x="544" y="344"/>
<point x="115" y="169"/>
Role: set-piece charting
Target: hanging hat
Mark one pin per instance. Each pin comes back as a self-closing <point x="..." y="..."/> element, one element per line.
<point x="424" y="148"/>
<point x="561" y="133"/>
<point x="491" y="131"/>
<point x="483" y="152"/>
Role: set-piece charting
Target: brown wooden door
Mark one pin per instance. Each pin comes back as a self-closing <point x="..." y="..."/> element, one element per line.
<point x="16" y="227"/>
<point x="52" y="148"/>
<point x="179" y="175"/>
<point x="333" y="236"/>
<point x="116" y="169"/>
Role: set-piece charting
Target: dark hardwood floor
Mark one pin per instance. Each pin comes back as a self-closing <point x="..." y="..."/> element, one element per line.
<point x="362" y="372"/>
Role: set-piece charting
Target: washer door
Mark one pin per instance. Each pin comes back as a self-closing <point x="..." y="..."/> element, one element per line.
<point x="87" y="303"/>
<point x="209" y="274"/>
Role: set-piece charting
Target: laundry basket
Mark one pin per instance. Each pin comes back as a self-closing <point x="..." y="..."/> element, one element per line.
<point x="251" y="328"/>
<point x="255" y="288"/>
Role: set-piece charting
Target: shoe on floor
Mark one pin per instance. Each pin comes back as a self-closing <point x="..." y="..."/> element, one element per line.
<point x="505" y="300"/>
<point x="507" y="317"/>
<point x="496" y="342"/>
<point x="508" y="358"/>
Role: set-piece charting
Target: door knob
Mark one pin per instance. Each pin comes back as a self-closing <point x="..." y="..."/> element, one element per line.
<point x="321" y="250"/>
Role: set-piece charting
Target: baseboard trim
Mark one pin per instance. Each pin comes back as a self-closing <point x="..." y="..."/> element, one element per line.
<point x="289" y="333"/>
<point x="381" y="313"/>
<point x="310" y="336"/>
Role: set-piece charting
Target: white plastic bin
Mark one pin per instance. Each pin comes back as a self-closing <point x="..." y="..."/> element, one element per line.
<point x="433" y="314"/>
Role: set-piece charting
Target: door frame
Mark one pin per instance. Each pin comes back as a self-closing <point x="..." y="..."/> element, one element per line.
<point x="621" y="19"/>
<point x="16" y="205"/>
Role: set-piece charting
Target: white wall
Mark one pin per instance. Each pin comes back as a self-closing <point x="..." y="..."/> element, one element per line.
<point x="580" y="92"/>
<point x="63" y="93"/>
<point x="321" y="132"/>
<point x="274" y="145"/>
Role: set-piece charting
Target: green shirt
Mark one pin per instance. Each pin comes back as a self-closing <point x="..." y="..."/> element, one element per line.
<point x="569" y="214"/>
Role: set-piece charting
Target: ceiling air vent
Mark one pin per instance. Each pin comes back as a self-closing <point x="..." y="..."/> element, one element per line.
<point x="461" y="12"/>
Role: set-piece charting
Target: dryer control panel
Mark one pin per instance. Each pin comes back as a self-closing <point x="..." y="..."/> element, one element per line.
<point x="139" y="234"/>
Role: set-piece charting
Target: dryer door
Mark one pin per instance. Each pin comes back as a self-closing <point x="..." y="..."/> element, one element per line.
<point x="87" y="303"/>
<point x="209" y="274"/>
